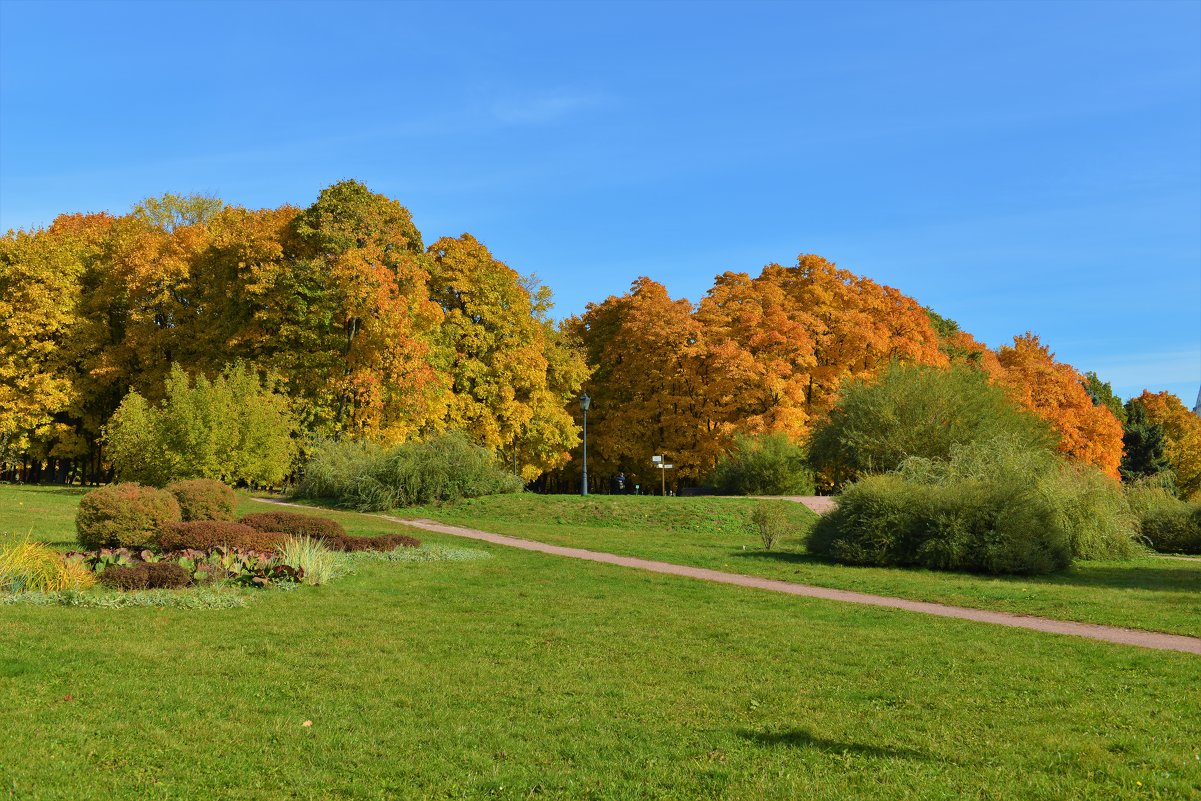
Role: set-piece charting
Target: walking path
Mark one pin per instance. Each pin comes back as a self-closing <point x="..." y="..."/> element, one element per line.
<point x="1115" y="634"/>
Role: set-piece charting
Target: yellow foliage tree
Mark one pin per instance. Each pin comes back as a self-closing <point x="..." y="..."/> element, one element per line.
<point x="1182" y="432"/>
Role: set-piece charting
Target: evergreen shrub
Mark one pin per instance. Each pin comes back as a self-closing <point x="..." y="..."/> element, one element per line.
<point x="124" y="516"/>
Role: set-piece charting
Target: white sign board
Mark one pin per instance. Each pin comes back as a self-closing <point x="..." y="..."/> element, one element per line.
<point x="656" y="459"/>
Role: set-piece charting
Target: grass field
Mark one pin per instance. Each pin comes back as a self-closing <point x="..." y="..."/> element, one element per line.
<point x="529" y="676"/>
<point x="1147" y="593"/>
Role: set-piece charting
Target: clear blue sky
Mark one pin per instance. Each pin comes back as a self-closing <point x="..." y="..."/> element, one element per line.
<point x="1016" y="165"/>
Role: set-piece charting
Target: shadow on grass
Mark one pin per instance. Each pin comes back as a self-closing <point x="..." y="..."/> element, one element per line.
<point x="1180" y="576"/>
<point x="800" y="738"/>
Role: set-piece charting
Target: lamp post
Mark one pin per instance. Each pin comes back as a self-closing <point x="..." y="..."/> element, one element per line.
<point x="585" y="402"/>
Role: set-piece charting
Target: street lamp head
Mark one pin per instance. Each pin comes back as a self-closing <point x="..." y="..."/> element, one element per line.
<point x="585" y="402"/>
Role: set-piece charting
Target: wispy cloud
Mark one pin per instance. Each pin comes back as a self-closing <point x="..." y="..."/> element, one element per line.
<point x="541" y="109"/>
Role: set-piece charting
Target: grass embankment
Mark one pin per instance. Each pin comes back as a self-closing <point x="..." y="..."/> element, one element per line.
<point x="1146" y="593"/>
<point x="527" y="676"/>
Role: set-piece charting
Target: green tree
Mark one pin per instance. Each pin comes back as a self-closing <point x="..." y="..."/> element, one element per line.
<point x="912" y="410"/>
<point x="1102" y="394"/>
<point x="1144" y="448"/>
<point x="232" y="428"/>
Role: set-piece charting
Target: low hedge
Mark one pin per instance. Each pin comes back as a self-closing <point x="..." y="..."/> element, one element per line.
<point x="294" y="524"/>
<point x="206" y="534"/>
<point x="146" y="576"/>
<point x="382" y="542"/>
<point x="204" y="499"/>
<point x="330" y="532"/>
<point x="1173" y="528"/>
<point x="124" y="516"/>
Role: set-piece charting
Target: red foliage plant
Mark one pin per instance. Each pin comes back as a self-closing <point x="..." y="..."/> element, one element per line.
<point x="206" y="534"/>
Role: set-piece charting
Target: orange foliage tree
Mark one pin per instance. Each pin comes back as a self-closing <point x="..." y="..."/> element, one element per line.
<point x="1055" y="392"/>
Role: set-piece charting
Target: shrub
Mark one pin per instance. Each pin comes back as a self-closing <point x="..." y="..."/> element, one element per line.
<point x="330" y="532"/>
<point x="446" y="467"/>
<point x="124" y="515"/>
<point x="36" y="567"/>
<point x="1174" y="527"/>
<point x="204" y="499"/>
<point x="315" y="562"/>
<point x="916" y="411"/>
<point x="146" y="576"/>
<point x="993" y="507"/>
<point x="382" y="542"/>
<point x="296" y="525"/>
<point x="771" y="523"/>
<point x="769" y="464"/>
<point x="206" y="534"/>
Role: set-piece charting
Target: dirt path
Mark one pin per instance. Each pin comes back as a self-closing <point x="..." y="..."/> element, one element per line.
<point x="1142" y="639"/>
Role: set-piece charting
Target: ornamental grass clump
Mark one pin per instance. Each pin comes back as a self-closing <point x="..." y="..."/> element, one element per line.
<point x="316" y="563"/>
<point x="124" y="516"/>
<point x="28" y="566"/>
<point x="204" y="499"/>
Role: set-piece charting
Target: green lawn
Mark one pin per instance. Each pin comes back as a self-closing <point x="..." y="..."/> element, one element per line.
<point x="531" y="676"/>
<point x="1147" y="593"/>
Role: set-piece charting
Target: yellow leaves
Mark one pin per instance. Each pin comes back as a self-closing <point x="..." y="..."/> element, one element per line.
<point x="1182" y="431"/>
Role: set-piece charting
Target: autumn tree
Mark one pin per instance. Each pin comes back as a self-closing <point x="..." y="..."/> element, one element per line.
<point x="512" y="376"/>
<point x="1055" y="392"/>
<point x="365" y="315"/>
<point x="856" y="325"/>
<point x="1182" y="434"/>
<point x="646" y="350"/>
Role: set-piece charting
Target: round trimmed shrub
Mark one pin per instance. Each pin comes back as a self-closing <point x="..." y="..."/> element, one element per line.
<point x="295" y="524"/>
<point x="204" y="499"/>
<point x="205" y="534"/>
<point x="124" y="516"/>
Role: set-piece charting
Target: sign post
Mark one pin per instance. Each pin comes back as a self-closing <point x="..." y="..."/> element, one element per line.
<point x="659" y="463"/>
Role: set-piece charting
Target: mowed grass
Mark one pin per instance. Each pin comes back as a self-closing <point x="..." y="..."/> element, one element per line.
<point x="1146" y="593"/>
<point x="531" y="676"/>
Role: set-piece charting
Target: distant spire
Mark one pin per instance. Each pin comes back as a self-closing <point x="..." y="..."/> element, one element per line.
<point x="1197" y="408"/>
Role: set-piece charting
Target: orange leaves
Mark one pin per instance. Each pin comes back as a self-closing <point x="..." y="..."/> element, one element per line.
<point x="1054" y="391"/>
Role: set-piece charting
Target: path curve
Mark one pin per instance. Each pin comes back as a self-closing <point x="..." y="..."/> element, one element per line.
<point x="1114" y="634"/>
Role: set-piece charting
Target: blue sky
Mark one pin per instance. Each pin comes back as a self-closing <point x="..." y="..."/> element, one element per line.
<point x="1014" y="165"/>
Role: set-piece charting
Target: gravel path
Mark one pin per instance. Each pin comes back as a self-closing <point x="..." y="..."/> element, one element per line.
<point x="1115" y="634"/>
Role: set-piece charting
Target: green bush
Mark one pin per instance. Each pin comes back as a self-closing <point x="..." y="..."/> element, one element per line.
<point x="916" y="411"/>
<point x="1173" y="528"/>
<point x="993" y="507"/>
<point x="204" y="499"/>
<point x="446" y="467"/>
<point x="124" y="516"/>
<point x="768" y="464"/>
<point x="771" y="523"/>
